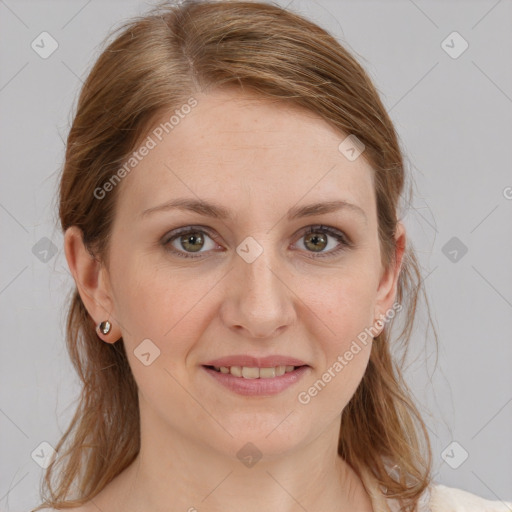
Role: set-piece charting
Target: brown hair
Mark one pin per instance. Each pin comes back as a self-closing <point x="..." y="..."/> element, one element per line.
<point x="153" y="65"/>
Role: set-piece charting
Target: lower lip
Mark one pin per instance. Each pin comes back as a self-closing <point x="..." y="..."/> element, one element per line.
<point x="258" y="387"/>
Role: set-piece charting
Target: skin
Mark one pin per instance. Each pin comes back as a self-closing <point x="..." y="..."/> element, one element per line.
<point x="257" y="158"/>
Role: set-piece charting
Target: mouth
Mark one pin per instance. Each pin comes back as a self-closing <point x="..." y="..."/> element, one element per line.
<point x="248" y="372"/>
<point x="256" y="381"/>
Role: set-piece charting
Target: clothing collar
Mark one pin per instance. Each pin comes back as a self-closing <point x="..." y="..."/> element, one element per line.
<point x="379" y="502"/>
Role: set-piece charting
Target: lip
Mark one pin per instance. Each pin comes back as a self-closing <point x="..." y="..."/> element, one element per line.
<point x="256" y="362"/>
<point x="257" y="387"/>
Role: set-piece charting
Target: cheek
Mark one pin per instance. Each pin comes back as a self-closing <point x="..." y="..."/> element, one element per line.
<point x="172" y="305"/>
<point x="344" y="303"/>
<point x="163" y="305"/>
<point x="343" y="353"/>
<point x="343" y="315"/>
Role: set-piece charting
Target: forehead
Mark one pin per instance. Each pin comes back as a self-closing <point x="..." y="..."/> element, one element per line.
<point x="236" y="148"/>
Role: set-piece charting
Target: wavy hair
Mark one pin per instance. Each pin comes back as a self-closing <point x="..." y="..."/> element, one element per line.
<point x="152" y="65"/>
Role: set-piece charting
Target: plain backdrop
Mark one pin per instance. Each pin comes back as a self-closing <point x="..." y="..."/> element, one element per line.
<point x="450" y="97"/>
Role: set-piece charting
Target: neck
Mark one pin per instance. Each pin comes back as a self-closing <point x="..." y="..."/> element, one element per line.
<point x="175" y="472"/>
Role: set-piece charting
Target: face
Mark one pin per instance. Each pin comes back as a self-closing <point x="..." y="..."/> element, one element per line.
<point x="270" y="278"/>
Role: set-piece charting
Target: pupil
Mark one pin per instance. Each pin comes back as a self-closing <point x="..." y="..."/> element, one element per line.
<point x="315" y="238"/>
<point x="192" y="239"/>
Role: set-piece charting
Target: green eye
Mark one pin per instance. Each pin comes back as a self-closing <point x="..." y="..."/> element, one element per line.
<point x="191" y="239"/>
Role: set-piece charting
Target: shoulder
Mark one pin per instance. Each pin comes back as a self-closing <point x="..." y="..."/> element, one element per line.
<point x="436" y="498"/>
<point x="452" y="499"/>
<point x="83" y="508"/>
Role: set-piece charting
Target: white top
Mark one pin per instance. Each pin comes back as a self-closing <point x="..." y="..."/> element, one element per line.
<point x="438" y="498"/>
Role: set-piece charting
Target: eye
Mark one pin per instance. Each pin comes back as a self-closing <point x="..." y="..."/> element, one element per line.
<point x="316" y="239"/>
<point x="186" y="241"/>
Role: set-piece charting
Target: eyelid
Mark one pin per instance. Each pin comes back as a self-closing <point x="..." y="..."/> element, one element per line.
<point x="174" y="233"/>
<point x="343" y="239"/>
<point x="335" y="232"/>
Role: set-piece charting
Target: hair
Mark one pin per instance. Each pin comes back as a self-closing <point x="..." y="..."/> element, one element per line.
<point x="154" y="64"/>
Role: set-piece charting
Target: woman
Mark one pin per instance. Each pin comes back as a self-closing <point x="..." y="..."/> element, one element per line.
<point x="229" y="202"/>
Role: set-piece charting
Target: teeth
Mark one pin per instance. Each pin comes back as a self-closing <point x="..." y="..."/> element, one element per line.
<point x="255" y="373"/>
<point x="267" y="373"/>
<point x="236" y="371"/>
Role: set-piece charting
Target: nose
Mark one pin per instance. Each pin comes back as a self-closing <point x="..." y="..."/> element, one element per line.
<point x="259" y="302"/>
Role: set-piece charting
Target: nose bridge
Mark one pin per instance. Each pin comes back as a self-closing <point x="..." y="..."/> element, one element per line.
<point x="257" y="264"/>
<point x="259" y="300"/>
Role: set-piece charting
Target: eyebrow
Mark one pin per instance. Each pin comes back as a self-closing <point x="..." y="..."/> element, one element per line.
<point x="216" y="211"/>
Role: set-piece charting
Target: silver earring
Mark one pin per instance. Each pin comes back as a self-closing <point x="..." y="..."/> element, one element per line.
<point x="105" y="327"/>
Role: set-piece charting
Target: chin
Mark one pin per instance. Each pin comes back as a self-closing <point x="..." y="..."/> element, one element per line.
<point x="271" y="435"/>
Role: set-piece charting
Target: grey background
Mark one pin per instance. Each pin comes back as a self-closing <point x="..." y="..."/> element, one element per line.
<point x="454" y="119"/>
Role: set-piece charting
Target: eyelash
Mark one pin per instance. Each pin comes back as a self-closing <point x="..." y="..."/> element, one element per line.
<point x="338" y="235"/>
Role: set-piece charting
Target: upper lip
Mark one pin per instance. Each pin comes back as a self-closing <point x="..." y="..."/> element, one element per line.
<point x="256" y="362"/>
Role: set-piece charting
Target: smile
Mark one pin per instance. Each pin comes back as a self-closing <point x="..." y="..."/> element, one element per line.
<point x="255" y="381"/>
<point x="248" y="372"/>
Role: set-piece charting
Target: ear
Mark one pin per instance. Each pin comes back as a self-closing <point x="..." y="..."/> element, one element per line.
<point x="91" y="279"/>
<point x="388" y="283"/>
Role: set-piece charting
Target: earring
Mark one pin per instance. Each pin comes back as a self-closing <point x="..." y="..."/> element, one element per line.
<point x="380" y="327"/>
<point x="105" y="327"/>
